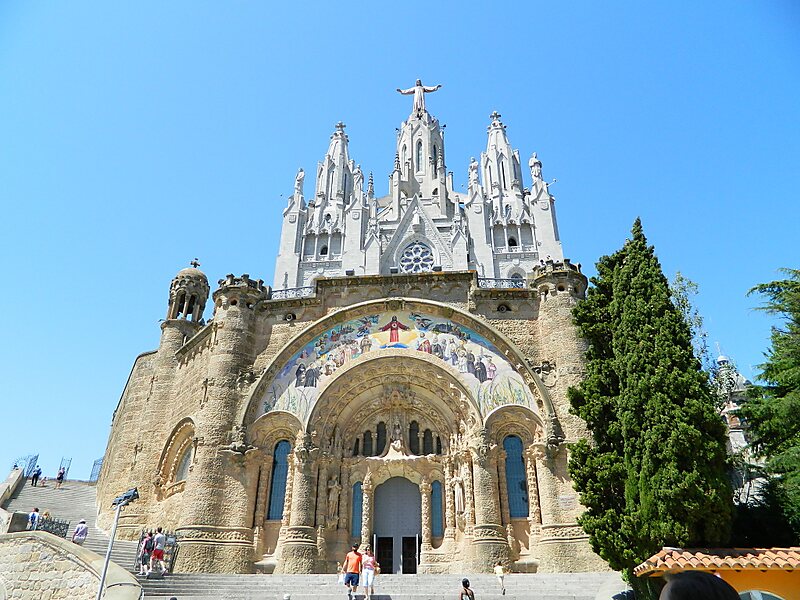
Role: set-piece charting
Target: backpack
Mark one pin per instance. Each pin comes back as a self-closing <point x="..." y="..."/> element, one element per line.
<point x="148" y="545"/>
<point x="33" y="517"/>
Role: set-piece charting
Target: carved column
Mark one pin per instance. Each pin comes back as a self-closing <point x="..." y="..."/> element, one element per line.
<point x="322" y="492"/>
<point x="534" y="508"/>
<point x="367" y="490"/>
<point x="489" y="541"/>
<point x="425" y="500"/>
<point x="469" y="497"/>
<point x="300" y="546"/>
<point x="449" y="508"/>
<point x="505" y="510"/>
<point x="344" y="499"/>
<point x="262" y="497"/>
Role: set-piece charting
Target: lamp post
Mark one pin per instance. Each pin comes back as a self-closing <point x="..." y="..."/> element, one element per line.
<point x="120" y="501"/>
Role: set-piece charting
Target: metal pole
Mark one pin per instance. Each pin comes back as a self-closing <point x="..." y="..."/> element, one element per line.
<point x="108" y="552"/>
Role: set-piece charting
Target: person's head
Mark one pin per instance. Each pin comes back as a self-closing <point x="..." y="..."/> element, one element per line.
<point x="697" y="585"/>
<point x="419" y="82"/>
<point x="158" y="530"/>
<point x="465" y="583"/>
<point x="498" y="564"/>
<point x="82" y="521"/>
<point x="35" y="510"/>
<point x="368" y="550"/>
<point x="355" y="547"/>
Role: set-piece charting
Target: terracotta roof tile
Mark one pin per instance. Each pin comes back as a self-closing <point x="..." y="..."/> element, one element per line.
<point x="720" y="559"/>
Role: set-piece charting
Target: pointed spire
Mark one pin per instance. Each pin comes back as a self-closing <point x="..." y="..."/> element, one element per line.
<point x="370" y="186"/>
<point x="397" y="162"/>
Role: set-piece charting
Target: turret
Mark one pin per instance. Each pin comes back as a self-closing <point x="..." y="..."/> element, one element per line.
<point x="188" y="294"/>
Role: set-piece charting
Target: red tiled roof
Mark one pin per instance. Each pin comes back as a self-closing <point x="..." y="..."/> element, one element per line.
<point x="720" y="559"/>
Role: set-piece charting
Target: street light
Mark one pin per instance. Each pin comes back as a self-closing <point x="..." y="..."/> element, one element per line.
<point x="120" y="501"/>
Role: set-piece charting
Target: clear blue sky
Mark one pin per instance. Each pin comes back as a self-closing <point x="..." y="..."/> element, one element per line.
<point x="134" y="138"/>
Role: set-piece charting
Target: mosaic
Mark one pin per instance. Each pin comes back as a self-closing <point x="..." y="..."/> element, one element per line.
<point x="475" y="361"/>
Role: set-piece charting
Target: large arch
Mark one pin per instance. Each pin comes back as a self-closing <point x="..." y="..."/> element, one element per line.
<point x="508" y="351"/>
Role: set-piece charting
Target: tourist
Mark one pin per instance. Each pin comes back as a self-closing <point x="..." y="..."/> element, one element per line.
<point x="465" y="593"/>
<point x="159" y="542"/>
<point x="369" y="566"/>
<point x="60" y="477"/>
<point x="37" y="472"/>
<point x="500" y="573"/>
<point x="145" y="551"/>
<point x="33" y="520"/>
<point x="352" y="568"/>
<point x="691" y="585"/>
<point x="80" y="533"/>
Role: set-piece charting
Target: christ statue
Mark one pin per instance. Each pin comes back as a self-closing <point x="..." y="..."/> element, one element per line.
<point x="419" y="92"/>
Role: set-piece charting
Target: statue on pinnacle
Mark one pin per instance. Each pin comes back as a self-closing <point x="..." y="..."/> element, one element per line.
<point x="419" y="92"/>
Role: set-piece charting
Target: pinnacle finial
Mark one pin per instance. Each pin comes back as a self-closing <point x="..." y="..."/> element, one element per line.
<point x="340" y="127"/>
<point x="195" y="263"/>
<point x="370" y="185"/>
<point x="495" y="116"/>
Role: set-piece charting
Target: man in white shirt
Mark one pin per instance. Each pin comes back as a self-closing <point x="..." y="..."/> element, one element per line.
<point x="33" y="520"/>
<point x="80" y="533"/>
<point x="159" y="542"/>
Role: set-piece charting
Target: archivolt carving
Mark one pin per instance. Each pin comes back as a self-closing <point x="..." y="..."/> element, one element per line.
<point x="272" y="427"/>
<point x="514" y="420"/>
<point x="181" y="439"/>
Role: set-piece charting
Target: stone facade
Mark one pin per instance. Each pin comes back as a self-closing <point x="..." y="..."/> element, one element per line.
<point x="263" y="437"/>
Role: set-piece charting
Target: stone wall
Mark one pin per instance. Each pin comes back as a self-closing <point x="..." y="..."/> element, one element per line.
<point x="7" y="489"/>
<point x="35" y="565"/>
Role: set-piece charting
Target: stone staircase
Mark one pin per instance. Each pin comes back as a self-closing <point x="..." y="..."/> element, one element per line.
<point x="537" y="586"/>
<point x="75" y="500"/>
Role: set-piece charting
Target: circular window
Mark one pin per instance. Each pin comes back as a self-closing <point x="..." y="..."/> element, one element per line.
<point x="416" y="258"/>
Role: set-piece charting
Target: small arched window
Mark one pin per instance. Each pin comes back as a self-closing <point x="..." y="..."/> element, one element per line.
<point x="438" y="445"/>
<point x="435" y="157"/>
<point x="380" y="442"/>
<point x="515" y="477"/>
<point x="323" y="251"/>
<point x="427" y="442"/>
<point x="277" y="487"/>
<point x="404" y="156"/>
<point x="420" y="165"/>
<point x="512" y="242"/>
<point x="357" y="447"/>
<point x="413" y="437"/>
<point x="185" y="461"/>
<point x="355" y="517"/>
<point x="367" y="443"/>
<point x="436" y="509"/>
<point x="503" y="174"/>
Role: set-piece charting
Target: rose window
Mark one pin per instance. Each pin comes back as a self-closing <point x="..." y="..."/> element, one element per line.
<point x="416" y="258"/>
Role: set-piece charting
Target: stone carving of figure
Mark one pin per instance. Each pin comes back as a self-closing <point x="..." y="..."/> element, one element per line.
<point x="397" y="432"/>
<point x="298" y="182"/>
<point x="458" y="486"/>
<point x="536" y="167"/>
<point x="322" y="545"/>
<point x="473" y="172"/>
<point x="333" y="499"/>
<point x="419" y="92"/>
<point x="358" y="180"/>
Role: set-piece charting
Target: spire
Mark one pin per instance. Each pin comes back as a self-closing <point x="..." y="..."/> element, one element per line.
<point x="501" y="167"/>
<point x="370" y="186"/>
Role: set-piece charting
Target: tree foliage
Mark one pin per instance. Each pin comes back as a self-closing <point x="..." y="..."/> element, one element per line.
<point x="654" y="473"/>
<point x="772" y="413"/>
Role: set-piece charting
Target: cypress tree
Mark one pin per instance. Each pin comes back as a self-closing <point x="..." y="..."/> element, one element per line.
<point x="658" y="443"/>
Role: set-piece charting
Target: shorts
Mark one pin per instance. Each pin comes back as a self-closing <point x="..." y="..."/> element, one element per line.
<point x="158" y="554"/>
<point x="79" y="541"/>
<point x="351" y="579"/>
<point x="145" y="558"/>
<point x="369" y="577"/>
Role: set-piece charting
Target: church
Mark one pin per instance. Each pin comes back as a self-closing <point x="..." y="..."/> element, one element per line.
<point x="402" y="384"/>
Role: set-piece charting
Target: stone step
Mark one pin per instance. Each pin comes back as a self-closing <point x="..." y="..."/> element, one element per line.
<point x="73" y="501"/>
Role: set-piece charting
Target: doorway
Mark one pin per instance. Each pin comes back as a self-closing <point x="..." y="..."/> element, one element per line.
<point x="398" y="523"/>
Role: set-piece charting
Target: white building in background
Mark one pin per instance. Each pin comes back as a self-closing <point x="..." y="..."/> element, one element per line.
<point x="498" y="227"/>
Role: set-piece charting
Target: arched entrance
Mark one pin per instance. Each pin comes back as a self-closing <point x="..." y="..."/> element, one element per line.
<point x="397" y="525"/>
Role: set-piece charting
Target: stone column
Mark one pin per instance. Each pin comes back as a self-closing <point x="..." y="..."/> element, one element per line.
<point x="299" y="552"/>
<point x="449" y="507"/>
<point x="322" y="492"/>
<point x="262" y="498"/>
<point x="469" y="496"/>
<point x="367" y="490"/>
<point x="505" y="510"/>
<point x="534" y="509"/>
<point x="489" y="541"/>
<point x="425" y="507"/>
<point x="344" y="500"/>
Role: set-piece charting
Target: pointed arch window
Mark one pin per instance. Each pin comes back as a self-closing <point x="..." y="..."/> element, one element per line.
<point x="420" y="164"/>
<point x="380" y="442"/>
<point x="367" y="443"/>
<point x="277" y="487"/>
<point x="355" y="517"/>
<point x="436" y="509"/>
<point x="516" y="477"/>
<point x="413" y="437"/>
<point x="427" y="442"/>
<point x="503" y="174"/>
<point x="185" y="461"/>
<point x="435" y="158"/>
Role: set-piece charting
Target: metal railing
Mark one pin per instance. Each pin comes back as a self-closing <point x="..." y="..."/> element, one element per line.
<point x="27" y="464"/>
<point x="96" y="466"/>
<point x="513" y="283"/>
<point x="286" y="293"/>
<point x="57" y="527"/>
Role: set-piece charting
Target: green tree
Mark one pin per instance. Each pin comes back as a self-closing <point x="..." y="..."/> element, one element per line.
<point x="773" y="411"/>
<point x="654" y="473"/>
